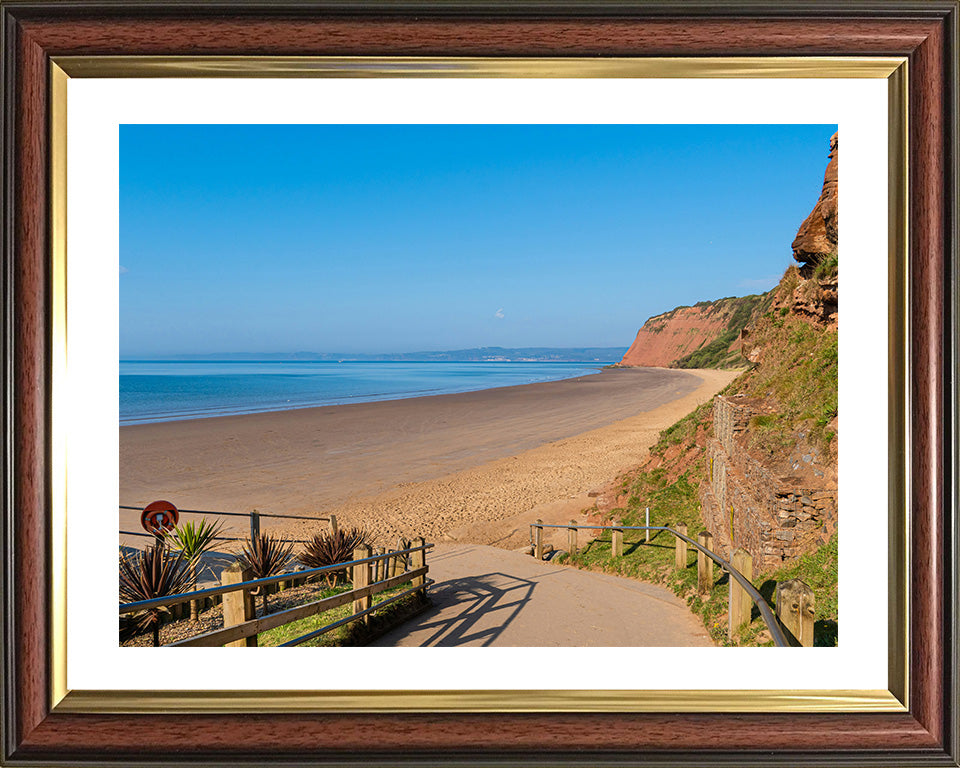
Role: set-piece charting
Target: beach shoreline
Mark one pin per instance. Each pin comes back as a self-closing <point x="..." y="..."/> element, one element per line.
<point x="465" y="466"/>
<point x="138" y="416"/>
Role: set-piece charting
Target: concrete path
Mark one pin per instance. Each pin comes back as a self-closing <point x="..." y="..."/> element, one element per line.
<point x="486" y="596"/>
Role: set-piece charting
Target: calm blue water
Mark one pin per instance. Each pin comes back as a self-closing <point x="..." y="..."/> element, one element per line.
<point x="168" y="391"/>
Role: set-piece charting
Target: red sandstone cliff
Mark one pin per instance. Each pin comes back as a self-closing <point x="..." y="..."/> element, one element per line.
<point x="701" y="336"/>
<point x="670" y="336"/>
<point x="813" y="293"/>
<point x="816" y="239"/>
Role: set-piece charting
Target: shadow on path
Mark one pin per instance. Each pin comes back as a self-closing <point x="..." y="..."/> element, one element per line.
<point x="495" y="599"/>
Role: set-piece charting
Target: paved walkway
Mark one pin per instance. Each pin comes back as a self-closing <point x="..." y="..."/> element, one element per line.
<point x="486" y="596"/>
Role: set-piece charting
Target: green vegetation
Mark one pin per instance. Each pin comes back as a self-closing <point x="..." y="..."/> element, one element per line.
<point x="194" y="541"/>
<point x="685" y="430"/>
<point x="153" y="572"/>
<point x="657" y="327"/>
<point x="354" y="633"/>
<point x="827" y="269"/>
<point x="799" y="372"/>
<point x="677" y="502"/>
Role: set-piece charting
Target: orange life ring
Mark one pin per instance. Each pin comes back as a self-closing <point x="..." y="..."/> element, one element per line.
<point x="158" y="517"/>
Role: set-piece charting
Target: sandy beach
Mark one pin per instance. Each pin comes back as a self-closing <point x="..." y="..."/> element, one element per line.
<point x="473" y="467"/>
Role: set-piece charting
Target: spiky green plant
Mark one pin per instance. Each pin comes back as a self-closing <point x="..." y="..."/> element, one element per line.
<point x="195" y="541"/>
<point x="332" y="548"/>
<point x="153" y="572"/>
<point x="265" y="556"/>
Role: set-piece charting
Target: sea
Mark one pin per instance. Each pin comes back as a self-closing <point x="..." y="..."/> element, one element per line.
<point x="162" y="390"/>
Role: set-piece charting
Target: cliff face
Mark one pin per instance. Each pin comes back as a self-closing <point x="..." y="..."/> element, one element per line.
<point x="813" y="293"/>
<point x="672" y="335"/>
<point x="816" y="239"/>
<point x="701" y="336"/>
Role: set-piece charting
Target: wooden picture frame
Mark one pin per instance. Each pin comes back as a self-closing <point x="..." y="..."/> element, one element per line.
<point x="36" y="34"/>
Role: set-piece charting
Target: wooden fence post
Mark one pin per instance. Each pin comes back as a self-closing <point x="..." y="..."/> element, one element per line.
<point x="254" y="525"/>
<point x="238" y="606"/>
<point x="680" y="551"/>
<point x="393" y="563"/>
<point x="740" y="602"/>
<point x="795" y="610"/>
<point x="361" y="578"/>
<point x="378" y="566"/>
<point x="401" y="560"/>
<point x="572" y="538"/>
<point x="704" y="563"/>
<point x="617" y="540"/>
<point x="418" y="559"/>
<point x="333" y="525"/>
<point x="538" y="539"/>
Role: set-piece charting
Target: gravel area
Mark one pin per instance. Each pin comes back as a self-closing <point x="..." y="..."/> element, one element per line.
<point x="212" y="618"/>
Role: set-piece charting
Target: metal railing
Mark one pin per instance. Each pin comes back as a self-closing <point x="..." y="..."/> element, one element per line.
<point x="215" y="538"/>
<point x="773" y="625"/>
<point x="254" y="517"/>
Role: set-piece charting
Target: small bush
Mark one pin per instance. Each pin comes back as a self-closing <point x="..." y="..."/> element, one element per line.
<point x="154" y="572"/>
<point x="331" y="548"/>
<point x="265" y="556"/>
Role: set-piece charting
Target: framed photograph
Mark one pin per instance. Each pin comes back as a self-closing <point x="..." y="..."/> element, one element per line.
<point x="126" y="125"/>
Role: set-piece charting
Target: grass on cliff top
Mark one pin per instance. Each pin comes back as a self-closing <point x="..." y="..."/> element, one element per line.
<point x="799" y="372"/>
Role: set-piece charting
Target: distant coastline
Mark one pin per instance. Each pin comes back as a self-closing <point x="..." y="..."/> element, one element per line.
<point x="601" y="355"/>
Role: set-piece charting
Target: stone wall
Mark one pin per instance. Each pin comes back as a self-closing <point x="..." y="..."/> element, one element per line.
<point x="731" y="417"/>
<point x="746" y="504"/>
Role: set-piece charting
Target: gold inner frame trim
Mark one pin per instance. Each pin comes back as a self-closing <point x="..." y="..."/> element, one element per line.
<point x="893" y="69"/>
<point x="430" y="66"/>
<point x="238" y="702"/>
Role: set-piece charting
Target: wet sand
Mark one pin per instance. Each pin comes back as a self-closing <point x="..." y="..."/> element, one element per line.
<point x="448" y="466"/>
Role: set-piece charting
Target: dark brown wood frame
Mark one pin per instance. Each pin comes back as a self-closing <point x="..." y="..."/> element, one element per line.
<point x="926" y="32"/>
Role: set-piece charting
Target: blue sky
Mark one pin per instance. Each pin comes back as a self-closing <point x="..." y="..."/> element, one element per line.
<point x="405" y="238"/>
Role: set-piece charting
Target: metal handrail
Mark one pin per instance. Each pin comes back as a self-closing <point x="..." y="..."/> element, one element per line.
<point x="183" y="597"/>
<point x="238" y="514"/>
<point x="779" y="639"/>
<point x="215" y="538"/>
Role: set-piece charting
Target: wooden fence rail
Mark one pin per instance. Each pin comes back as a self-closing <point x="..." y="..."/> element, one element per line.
<point x="254" y="627"/>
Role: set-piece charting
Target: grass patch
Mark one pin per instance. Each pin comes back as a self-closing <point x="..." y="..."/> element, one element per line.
<point x="828" y="268"/>
<point x="683" y="431"/>
<point x="800" y="371"/>
<point x="354" y="633"/>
